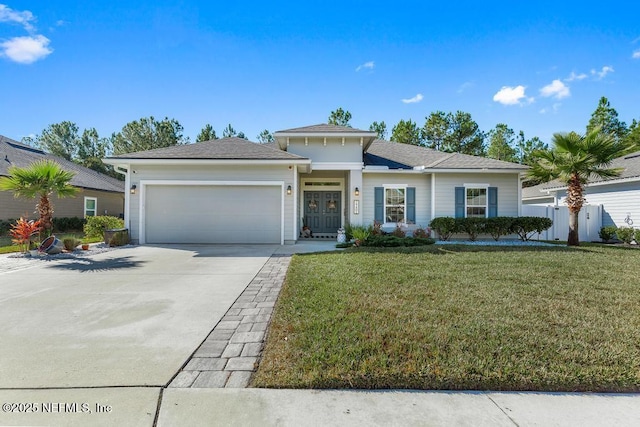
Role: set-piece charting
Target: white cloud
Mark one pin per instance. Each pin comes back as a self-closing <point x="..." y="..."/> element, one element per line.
<point x="508" y="95"/>
<point x="556" y="89"/>
<point x="414" y="100"/>
<point x="602" y="73"/>
<point x="23" y="18"/>
<point x="554" y="108"/>
<point x="636" y="54"/>
<point x="27" y="49"/>
<point x="464" y="86"/>
<point x="573" y="76"/>
<point x="367" y="65"/>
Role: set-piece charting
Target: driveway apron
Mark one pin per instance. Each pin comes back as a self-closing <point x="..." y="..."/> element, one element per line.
<point x="129" y="317"/>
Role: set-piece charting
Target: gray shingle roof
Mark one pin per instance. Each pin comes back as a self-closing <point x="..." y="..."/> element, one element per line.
<point x="323" y="128"/>
<point x="393" y="154"/>
<point x="629" y="163"/>
<point x="13" y="153"/>
<point x="222" y="149"/>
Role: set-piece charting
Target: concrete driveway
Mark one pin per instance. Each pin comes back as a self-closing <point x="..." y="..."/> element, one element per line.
<point x="128" y="318"/>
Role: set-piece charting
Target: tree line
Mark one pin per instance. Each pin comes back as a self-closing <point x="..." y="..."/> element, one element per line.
<point x="444" y="131"/>
<point x="459" y="133"/>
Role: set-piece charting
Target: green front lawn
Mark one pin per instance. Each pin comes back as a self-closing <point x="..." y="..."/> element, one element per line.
<point x="458" y="317"/>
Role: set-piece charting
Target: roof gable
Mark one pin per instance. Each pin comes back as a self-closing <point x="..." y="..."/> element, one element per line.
<point x="324" y="128"/>
<point x="14" y="153"/>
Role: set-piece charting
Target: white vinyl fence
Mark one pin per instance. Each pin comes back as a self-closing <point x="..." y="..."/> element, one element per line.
<point x="589" y="221"/>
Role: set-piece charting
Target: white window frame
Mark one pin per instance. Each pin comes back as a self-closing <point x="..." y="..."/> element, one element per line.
<point x="95" y="209"/>
<point x="484" y="187"/>
<point x="402" y="187"/>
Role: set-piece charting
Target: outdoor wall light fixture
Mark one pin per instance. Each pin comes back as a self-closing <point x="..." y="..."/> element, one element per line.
<point x="133" y="189"/>
<point x="357" y="191"/>
<point x="289" y="190"/>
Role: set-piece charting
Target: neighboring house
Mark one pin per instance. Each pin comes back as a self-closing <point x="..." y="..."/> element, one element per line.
<point x="235" y="191"/>
<point x="99" y="194"/>
<point x="619" y="197"/>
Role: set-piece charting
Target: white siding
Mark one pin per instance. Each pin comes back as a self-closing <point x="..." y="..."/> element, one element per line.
<point x="507" y="185"/>
<point x="617" y="200"/>
<point x="212" y="173"/>
<point x="422" y="183"/>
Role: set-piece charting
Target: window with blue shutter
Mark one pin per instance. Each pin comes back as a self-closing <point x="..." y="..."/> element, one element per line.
<point x="411" y="205"/>
<point x="378" y="213"/>
<point x="459" y="205"/>
<point x="493" y="202"/>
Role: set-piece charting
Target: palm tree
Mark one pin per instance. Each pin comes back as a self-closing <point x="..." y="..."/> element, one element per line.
<point x="40" y="179"/>
<point x="573" y="160"/>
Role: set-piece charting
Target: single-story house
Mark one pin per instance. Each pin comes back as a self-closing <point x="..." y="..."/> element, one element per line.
<point x="99" y="194"/>
<point x="324" y="176"/>
<point x="619" y="197"/>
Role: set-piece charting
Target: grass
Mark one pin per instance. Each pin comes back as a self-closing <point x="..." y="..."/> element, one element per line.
<point x="7" y="247"/>
<point x="458" y="318"/>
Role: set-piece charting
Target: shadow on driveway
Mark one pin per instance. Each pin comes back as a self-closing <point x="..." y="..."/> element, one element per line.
<point x="89" y="265"/>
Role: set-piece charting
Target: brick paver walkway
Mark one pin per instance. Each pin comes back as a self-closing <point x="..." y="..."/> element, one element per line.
<point x="230" y="354"/>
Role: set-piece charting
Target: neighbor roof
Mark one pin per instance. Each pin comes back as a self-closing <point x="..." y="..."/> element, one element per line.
<point x="216" y="149"/>
<point x="14" y="153"/>
<point x="629" y="163"/>
<point x="325" y="128"/>
<point x="406" y="156"/>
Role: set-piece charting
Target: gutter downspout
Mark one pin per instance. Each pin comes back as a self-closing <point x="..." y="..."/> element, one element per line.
<point x="127" y="194"/>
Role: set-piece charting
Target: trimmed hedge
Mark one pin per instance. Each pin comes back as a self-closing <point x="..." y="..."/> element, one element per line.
<point x="390" y="241"/>
<point x="524" y="226"/>
<point x="625" y="234"/>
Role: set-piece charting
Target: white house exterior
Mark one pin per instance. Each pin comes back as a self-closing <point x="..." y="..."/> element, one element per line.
<point x="235" y="191"/>
<point x="619" y="197"/>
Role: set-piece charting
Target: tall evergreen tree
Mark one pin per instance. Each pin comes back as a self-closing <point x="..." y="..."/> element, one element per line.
<point x="502" y="140"/>
<point x="406" y="132"/>
<point x="340" y="117"/>
<point x="605" y="117"/>
<point x="380" y="128"/>
<point x="206" y="134"/>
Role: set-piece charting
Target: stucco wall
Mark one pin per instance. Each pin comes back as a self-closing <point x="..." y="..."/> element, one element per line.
<point x="211" y="173"/>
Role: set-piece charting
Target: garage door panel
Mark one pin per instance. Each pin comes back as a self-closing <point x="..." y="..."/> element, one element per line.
<point x="212" y="214"/>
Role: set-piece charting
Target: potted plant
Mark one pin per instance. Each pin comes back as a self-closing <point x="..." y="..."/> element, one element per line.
<point x="85" y="246"/>
<point x="22" y="232"/>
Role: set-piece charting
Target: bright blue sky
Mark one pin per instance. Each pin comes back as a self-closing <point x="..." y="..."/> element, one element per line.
<point x="539" y="66"/>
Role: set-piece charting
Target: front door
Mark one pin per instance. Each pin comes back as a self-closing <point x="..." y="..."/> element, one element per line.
<point x="322" y="211"/>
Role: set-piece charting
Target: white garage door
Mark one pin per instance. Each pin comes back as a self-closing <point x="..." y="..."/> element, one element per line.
<point x="213" y="214"/>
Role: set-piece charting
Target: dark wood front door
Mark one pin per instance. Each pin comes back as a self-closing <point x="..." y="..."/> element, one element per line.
<point x="322" y="211"/>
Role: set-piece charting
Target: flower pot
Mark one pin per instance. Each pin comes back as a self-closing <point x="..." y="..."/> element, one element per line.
<point x="85" y="247"/>
<point x="51" y="245"/>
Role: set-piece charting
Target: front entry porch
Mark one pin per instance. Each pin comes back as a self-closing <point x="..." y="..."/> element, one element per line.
<point x="322" y="213"/>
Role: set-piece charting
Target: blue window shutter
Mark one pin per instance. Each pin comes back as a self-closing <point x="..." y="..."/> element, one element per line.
<point x="460" y="196"/>
<point x="411" y="204"/>
<point x="379" y="204"/>
<point x="493" y="202"/>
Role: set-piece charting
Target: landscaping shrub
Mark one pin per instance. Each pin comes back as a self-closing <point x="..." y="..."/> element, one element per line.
<point x="96" y="225"/>
<point x="526" y="226"/>
<point x="636" y="236"/>
<point x="360" y="233"/>
<point x="607" y="233"/>
<point x="398" y="232"/>
<point x="625" y="234"/>
<point x="421" y="233"/>
<point x="471" y="226"/>
<point x="498" y="226"/>
<point x="70" y="243"/>
<point x="390" y="241"/>
<point x="445" y="226"/>
<point x="62" y="225"/>
<point x="5" y="226"/>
